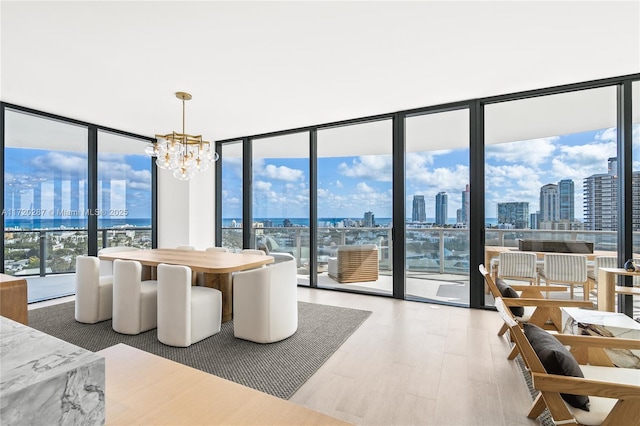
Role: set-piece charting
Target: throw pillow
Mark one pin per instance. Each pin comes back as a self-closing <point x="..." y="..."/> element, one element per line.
<point x="507" y="291"/>
<point x="556" y="359"/>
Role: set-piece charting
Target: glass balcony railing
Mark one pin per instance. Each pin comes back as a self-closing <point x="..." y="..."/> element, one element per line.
<point x="54" y="251"/>
<point x="434" y="250"/>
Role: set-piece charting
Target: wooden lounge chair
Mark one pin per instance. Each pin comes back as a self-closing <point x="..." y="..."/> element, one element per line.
<point x="533" y="308"/>
<point x="543" y="312"/>
<point x="614" y="393"/>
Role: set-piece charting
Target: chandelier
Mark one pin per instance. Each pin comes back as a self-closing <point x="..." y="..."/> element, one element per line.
<point x="183" y="153"/>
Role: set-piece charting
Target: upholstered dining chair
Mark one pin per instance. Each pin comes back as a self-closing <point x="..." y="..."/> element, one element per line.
<point x="135" y="302"/>
<point x="106" y="266"/>
<point x="253" y="251"/>
<point x="94" y="293"/>
<point x="218" y="249"/>
<point x="265" y="302"/>
<point x="519" y="266"/>
<point x="185" y="248"/>
<point x="186" y="314"/>
<point x="566" y="269"/>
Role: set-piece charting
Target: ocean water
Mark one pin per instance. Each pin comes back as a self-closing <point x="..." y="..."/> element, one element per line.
<point x="73" y="223"/>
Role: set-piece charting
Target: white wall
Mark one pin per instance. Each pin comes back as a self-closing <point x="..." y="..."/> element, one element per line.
<point x="186" y="210"/>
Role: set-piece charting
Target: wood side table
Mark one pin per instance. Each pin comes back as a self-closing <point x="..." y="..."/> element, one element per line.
<point x="13" y="298"/>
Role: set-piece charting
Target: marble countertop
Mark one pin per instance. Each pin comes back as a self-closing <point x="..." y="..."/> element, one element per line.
<point x="45" y="380"/>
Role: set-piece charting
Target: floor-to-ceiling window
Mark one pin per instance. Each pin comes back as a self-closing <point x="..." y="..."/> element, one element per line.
<point x="124" y="192"/>
<point x="45" y="199"/>
<point x="437" y="204"/>
<point x="635" y="227"/>
<point x="551" y="170"/>
<point x="231" y="196"/>
<point x="280" y="207"/>
<point x="355" y="206"/>
<point x="51" y="167"/>
<point x="548" y="166"/>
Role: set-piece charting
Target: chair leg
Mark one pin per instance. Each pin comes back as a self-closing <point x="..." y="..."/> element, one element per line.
<point x="587" y="290"/>
<point x="503" y="329"/>
<point x="571" y="290"/>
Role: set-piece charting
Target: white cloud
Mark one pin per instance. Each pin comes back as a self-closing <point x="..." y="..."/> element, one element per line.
<point x="373" y="167"/>
<point x="607" y="135"/>
<point x="260" y="185"/>
<point x="363" y="187"/>
<point x="282" y="173"/>
<point x="534" y="151"/>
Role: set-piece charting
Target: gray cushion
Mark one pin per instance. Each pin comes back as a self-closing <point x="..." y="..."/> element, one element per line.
<point x="507" y="291"/>
<point x="556" y="359"/>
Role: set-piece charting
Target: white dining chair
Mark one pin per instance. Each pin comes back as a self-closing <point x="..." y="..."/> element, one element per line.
<point x="94" y="293"/>
<point x="185" y="248"/>
<point x="106" y="266"/>
<point x="253" y="251"/>
<point x="519" y="266"/>
<point x="568" y="269"/>
<point x="135" y="302"/>
<point x="218" y="249"/>
<point x="265" y="302"/>
<point x="186" y="314"/>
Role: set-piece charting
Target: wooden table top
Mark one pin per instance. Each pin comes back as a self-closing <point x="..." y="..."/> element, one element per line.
<point x="198" y="261"/>
<point x="145" y="389"/>
<point x="4" y="278"/>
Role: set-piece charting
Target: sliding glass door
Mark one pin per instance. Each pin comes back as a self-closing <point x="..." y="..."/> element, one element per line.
<point x="355" y="207"/>
<point x="280" y="206"/>
<point x="551" y="171"/>
<point x="437" y="204"/>
<point x="45" y="200"/>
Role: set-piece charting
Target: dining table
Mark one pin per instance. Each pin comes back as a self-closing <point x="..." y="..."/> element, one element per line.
<point x="216" y="267"/>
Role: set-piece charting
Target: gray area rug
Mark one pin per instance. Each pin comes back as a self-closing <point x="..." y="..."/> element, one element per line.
<point x="277" y="368"/>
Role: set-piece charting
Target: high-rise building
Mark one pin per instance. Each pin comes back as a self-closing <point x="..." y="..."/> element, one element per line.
<point x="549" y="203"/>
<point x="514" y="213"/>
<point x="600" y="199"/>
<point x="534" y="223"/>
<point x="466" y="195"/>
<point x="566" y="200"/>
<point x="369" y="220"/>
<point x="441" y="208"/>
<point x="419" y="212"/>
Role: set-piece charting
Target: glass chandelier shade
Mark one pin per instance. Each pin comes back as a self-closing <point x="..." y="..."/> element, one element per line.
<point x="183" y="153"/>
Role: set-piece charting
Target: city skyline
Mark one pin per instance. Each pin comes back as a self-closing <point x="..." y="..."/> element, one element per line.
<point x="347" y="186"/>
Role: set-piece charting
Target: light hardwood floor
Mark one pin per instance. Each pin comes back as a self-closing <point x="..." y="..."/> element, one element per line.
<point x="414" y="363"/>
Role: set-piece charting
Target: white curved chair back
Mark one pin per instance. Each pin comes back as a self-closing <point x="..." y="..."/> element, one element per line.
<point x="134" y="301"/>
<point x="186" y="314"/>
<point x="106" y="266"/>
<point x="185" y="248"/>
<point x="219" y="249"/>
<point x="265" y="303"/>
<point x="253" y="251"/>
<point x="94" y="294"/>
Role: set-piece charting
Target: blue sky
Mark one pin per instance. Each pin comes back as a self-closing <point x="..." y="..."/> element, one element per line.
<point x="347" y="186"/>
<point x="350" y="186"/>
<point x="128" y="177"/>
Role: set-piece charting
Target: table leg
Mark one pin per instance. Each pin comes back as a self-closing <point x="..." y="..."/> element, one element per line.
<point x="222" y="282"/>
<point x="606" y="291"/>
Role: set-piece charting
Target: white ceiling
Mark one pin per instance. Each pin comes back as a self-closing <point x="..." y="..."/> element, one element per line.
<point x="256" y="67"/>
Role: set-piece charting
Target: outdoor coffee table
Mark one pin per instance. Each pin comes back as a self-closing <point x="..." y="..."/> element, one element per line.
<point x="588" y="322"/>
